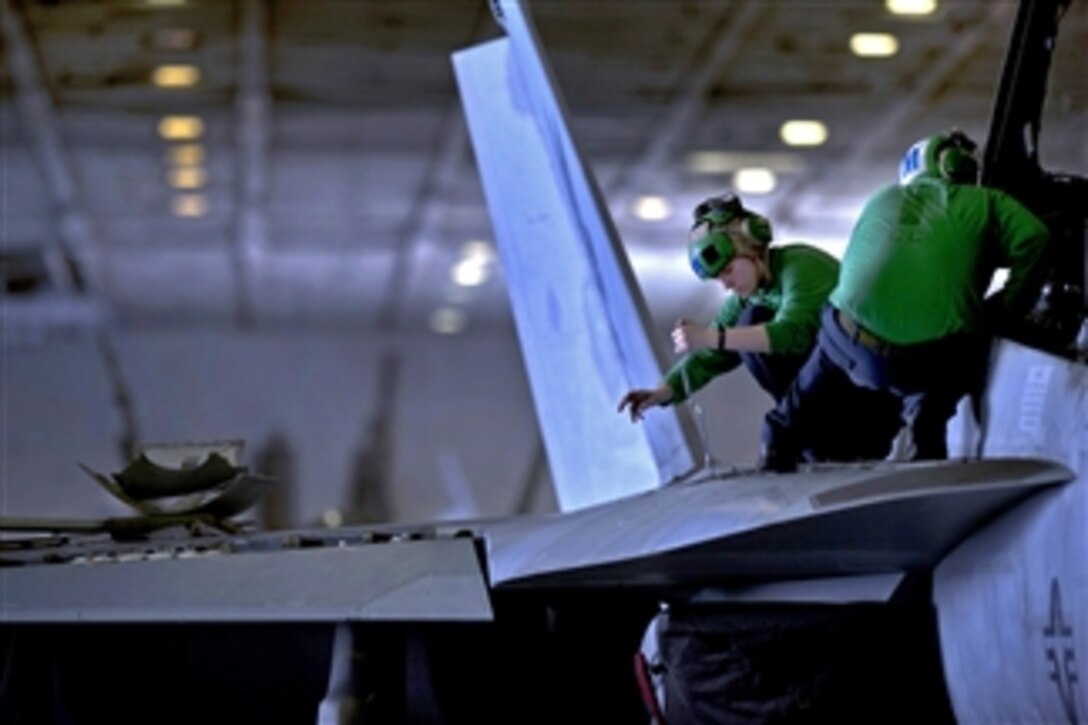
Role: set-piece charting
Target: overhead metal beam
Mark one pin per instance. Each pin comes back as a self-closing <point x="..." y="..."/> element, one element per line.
<point x="253" y="112"/>
<point x="443" y="171"/>
<point x="71" y="258"/>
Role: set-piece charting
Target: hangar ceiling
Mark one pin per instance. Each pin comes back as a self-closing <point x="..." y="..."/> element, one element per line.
<point x="332" y="185"/>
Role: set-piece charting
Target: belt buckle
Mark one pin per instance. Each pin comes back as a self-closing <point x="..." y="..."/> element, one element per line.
<point x="856" y="332"/>
<point x="860" y="335"/>
<point x="869" y="340"/>
<point x="880" y="346"/>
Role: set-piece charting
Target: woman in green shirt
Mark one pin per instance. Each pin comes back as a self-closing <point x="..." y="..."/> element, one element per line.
<point x="768" y="323"/>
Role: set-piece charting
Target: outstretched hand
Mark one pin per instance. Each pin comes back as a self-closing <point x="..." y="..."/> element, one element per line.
<point x="636" y="402"/>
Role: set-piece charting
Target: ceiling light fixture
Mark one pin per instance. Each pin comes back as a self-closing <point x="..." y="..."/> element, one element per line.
<point x="873" y="45"/>
<point x="803" y="133"/>
<point x="469" y="272"/>
<point x="479" y="250"/>
<point x="911" y="7"/>
<point x="176" y="76"/>
<point x="181" y="128"/>
<point x="187" y="177"/>
<point x="726" y="162"/>
<point x="189" y="205"/>
<point x="186" y="154"/>
<point x="474" y="267"/>
<point x="755" y="181"/>
<point x="652" y="208"/>
<point x="711" y="162"/>
<point x="448" y="320"/>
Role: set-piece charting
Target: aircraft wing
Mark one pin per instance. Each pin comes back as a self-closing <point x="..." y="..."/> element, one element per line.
<point x="714" y="531"/>
<point x="825" y="523"/>
<point x="240" y="579"/>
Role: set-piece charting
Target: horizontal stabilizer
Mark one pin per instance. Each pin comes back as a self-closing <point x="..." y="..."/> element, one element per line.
<point x="407" y="581"/>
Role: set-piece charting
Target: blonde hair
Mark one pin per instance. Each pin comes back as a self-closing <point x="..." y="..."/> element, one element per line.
<point x="744" y="241"/>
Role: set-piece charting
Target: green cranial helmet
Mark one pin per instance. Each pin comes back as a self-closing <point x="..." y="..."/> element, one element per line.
<point x="949" y="156"/>
<point x="710" y="253"/>
<point x="718" y="211"/>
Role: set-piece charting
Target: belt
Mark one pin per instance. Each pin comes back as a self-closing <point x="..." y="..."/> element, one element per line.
<point x="862" y="336"/>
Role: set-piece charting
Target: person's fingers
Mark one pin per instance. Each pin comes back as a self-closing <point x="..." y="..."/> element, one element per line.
<point x="681" y="336"/>
<point x="633" y="403"/>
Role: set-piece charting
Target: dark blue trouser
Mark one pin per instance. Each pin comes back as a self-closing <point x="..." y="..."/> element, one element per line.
<point x="774" y="373"/>
<point x="860" y="425"/>
<point x="926" y="382"/>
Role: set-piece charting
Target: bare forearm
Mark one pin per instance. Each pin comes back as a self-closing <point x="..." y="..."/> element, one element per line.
<point x="687" y="337"/>
<point x="752" y="338"/>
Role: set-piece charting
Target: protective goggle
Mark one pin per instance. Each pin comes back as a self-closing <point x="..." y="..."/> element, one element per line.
<point x="717" y="211"/>
<point x="710" y="254"/>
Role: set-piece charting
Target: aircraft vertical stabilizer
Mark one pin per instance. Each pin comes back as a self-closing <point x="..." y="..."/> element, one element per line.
<point x="581" y="318"/>
<point x="1014" y="596"/>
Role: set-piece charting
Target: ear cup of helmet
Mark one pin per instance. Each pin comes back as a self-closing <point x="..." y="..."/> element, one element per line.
<point x="759" y="228"/>
<point x="958" y="164"/>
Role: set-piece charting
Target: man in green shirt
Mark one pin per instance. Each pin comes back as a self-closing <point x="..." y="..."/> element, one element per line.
<point x="907" y="314"/>
<point x="768" y="323"/>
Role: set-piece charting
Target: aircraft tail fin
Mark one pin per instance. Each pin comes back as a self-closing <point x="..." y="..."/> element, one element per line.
<point x="580" y="316"/>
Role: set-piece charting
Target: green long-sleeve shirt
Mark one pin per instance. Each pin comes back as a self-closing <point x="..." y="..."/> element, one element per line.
<point x="801" y="278"/>
<point x="921" y="257"/>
